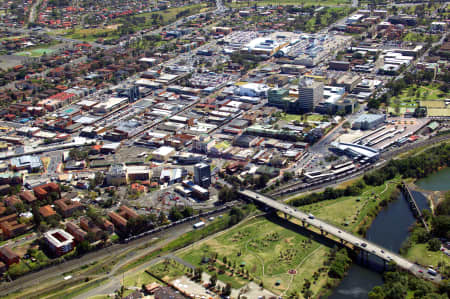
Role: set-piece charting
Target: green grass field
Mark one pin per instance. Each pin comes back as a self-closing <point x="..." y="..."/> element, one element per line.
<point x="36" y="52"/>
<point x="421" y="38"/>
<point x="267" y="251"/>
<point x="349" y="212"/>
<point x="167" y="270"/>
<point x="419" y="253"/>
<point x="308" y="117"/>
<point x="138" y="279"/>
<point x="410" y="97"/>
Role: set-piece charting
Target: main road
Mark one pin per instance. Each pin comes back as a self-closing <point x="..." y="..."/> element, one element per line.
<point x="344" y="236"/>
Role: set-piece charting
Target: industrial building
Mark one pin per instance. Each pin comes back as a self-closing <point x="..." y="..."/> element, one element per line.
<point x="368" y="121"/>
<point x="355" y="150"/>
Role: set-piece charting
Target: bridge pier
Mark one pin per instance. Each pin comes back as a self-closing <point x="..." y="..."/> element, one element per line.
<point x="303" y="223"/>
<point x="285" y="216"/>
<point x="321" y="232"/>
<point x="342" y="241"/>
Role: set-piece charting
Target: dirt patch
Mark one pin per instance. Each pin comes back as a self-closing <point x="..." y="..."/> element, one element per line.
<point x="113" y="27"/>
<point x="289" y="240"/>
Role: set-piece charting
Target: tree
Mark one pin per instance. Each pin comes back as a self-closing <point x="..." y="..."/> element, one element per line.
<point x="213" y="280"/>
<point x="434" y="244"/>
<point x="198" y="273"/>
<point x="346" y="125"/>
<point x="227" y="290"/>
<point x="82" y="247"/>
<point x="175" y="214"/>
<point x="287" y="176"/>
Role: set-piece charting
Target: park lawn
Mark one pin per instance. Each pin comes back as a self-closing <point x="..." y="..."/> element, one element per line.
<point x="36" y="52"/>
<point x="420" y="37"/>
<point x="138" y="279"/>
<point x="169" y="14"/>
<point x="263" y="248"/>
<point x="298" y="117"/>
<point x="410" y="97"/>
<point x="91" y="34"/>
<point x="348" y="212"/>
<point x="168" y="270"/>
<point x="419" y="253"/>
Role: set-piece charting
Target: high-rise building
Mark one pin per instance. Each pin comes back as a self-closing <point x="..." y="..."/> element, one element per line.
<point x="202" y="175"/>
<point x="310" y="93"/>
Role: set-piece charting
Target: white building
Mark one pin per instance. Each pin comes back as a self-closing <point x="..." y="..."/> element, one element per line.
<point x="163" y="153"/>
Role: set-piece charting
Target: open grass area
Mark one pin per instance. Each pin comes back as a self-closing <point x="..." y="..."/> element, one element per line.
<point x="419" y="253"/>
<point x="411" y="97"/>
<point x="138" y="279"/>
<point x="169" y="15"/>
<point x="421" y="37"/>
<point x="91" y="34"/>
<point x="302" y="118"/>
<point x="36" y="52"/>
<point x="289" y="2"/>
<point x="188" y="238"/>
<point x="167" y="270"/>
<point x="261" y="250"/>
<point x="351" y="211"/>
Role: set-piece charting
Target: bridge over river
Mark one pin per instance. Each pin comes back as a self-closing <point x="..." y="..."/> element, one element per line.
<point x="343" y="236"/>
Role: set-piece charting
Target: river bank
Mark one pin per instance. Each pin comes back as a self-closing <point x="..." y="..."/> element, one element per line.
<point x="390" y="228"/>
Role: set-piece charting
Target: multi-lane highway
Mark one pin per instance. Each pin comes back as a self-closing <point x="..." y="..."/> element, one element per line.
<point x="342" y="235"/>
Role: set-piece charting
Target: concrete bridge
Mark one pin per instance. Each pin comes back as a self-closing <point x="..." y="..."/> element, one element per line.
<point x="343" y="236"/>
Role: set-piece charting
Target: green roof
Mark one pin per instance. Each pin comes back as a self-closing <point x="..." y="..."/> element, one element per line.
<point x="433" y="125"/>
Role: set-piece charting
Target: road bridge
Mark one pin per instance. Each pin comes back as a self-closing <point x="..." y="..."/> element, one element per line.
<point x="343" y="236"/>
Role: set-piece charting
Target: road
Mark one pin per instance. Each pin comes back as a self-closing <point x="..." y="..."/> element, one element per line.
<point x="340" y="234"/>
<point x="33" y="11"/>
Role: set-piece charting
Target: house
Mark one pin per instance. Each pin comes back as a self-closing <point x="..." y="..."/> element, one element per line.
<point x="27" y="196"/>
<point x="8" y="256"/>
<point x="11" y="227"/>
<point x="167" y="292"/>
<point x="43" y="191"/>
<point x="120" y="219"/>
<point x="12" y="201"/>
<point x="76" y="231"/>
<point x="67" y="207"/>
<point x="108" y="226"/>
<point x="47" y="211"/>
<point x="151" y="288"/>
<point x="89" y="226"/>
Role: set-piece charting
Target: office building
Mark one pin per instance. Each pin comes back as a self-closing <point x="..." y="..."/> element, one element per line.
<point x="202" y="175"/>
<point x="310" y="93"/>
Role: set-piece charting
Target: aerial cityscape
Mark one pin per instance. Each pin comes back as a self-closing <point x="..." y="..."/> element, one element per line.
<point x="225" y="149"/>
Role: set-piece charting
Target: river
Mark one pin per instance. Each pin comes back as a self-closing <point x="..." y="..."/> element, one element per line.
<point x="389" y="229"/>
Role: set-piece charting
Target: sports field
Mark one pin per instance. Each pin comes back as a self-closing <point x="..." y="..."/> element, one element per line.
<point x="36" y="52"/>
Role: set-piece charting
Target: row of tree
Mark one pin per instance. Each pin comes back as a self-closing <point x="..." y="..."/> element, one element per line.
<point x="417" y="166"/>
<point x="329" y="193"/>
